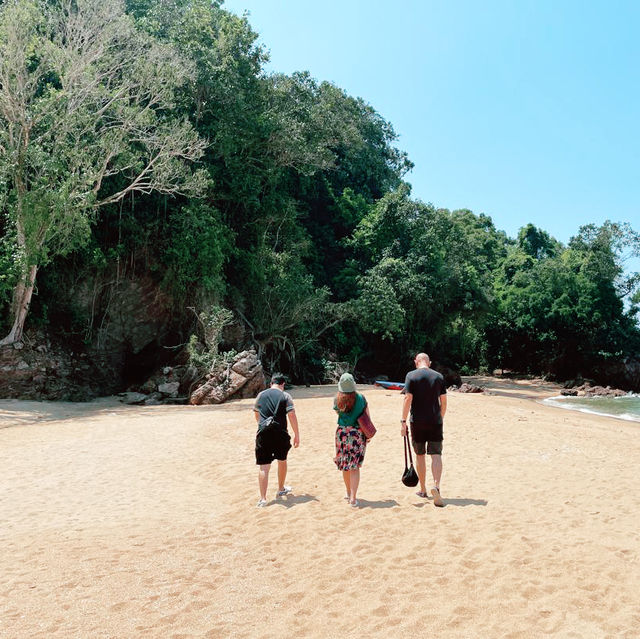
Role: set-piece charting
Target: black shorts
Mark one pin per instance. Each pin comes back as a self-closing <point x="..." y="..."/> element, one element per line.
<point x="426" y="438"/>
<point x="272" y="443"/>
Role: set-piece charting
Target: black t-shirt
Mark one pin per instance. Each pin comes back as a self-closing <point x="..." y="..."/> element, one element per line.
<point x="425" y="385"/>
<point x="273" y="403"/>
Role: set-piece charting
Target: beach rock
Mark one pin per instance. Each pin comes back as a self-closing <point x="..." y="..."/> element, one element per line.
<point x="170" y="389"/>
<point x="208" y="393"/>
<point x="246" y="363"/>
<point x="132" y="398"/>
<point x="243" y="378"/>
<point x="569" y="392"/>
<point x="602" y="391"/>
<point x="470" y="388"/>
<point x="155" y="399"/>
<point x="251" y="388"/>
<point x="148" y="387"/>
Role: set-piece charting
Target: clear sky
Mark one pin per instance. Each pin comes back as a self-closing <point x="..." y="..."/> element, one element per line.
<point x="528" y="111"/>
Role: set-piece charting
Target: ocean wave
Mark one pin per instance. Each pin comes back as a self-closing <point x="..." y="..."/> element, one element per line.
<point x="562" y="401"/>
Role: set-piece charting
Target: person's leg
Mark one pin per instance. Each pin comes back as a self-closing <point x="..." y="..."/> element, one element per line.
<point x="282" y="473"/>
<point x="354" y="481"/>
<point x="347" y="483"/>
<point x="421" y="469"/>
<point x="263" y="480"/>
<point x="436" y="469"/>
<point x="418" y="440"/>
<point x="435" y="451"/>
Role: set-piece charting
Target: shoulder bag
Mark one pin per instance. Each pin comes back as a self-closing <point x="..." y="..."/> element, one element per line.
<point x="409" y="477"/>
<point x="366" y="425"/>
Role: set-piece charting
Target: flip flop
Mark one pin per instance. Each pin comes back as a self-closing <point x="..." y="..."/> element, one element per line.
<point x="423" y="495"/>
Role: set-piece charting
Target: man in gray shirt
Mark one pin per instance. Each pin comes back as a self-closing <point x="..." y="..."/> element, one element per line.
<point x="272" y="409"/>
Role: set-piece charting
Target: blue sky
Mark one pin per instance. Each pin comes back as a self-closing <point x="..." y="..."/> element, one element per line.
<point x="526" y="111"/>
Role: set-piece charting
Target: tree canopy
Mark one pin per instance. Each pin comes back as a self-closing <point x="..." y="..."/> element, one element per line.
<point x="145" y="138"/>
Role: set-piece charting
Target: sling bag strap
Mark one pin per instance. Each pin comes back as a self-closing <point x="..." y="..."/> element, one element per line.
<point x="268" y="421"/>
<point x="407" y="446"/>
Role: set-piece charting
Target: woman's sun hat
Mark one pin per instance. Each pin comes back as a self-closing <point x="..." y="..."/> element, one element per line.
<point x="347" y="384"/>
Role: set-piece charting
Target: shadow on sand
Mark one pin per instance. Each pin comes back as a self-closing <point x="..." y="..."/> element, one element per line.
<point x="292" y="500"/>
<point x="454" y="502"/>
<point x="387" y="503"/>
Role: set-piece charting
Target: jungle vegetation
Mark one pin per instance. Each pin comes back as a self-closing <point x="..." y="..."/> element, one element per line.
<point x="147" y="133"/>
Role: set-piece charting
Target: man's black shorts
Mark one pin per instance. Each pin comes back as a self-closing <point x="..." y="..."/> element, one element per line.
<point x="426" y="438"/>
<point x="272" y="443"/>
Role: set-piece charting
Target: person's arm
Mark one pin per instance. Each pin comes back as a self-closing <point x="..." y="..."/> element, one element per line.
<point x="256" y="414"/>
<point x="443" y="405"/>
<point x="406" y="408"/>
<point x="293" y="420"/>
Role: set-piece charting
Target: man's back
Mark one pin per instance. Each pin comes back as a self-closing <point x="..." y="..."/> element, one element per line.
<point x="426" y="386"/>
<point x="274" y="403"/>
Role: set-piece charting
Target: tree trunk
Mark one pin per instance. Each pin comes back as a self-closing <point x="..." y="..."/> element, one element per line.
<point x="20" y="306"/>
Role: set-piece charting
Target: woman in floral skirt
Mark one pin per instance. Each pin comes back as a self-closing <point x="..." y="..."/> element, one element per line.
<point x="350" y="441"/>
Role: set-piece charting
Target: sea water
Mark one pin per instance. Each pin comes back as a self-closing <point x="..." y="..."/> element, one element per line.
<point x="625" y="407"/>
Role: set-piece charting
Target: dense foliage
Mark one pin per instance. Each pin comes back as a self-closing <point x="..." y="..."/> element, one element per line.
<point x="278" y="197"/>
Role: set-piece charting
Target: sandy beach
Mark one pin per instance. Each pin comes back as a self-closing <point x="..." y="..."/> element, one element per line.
<point x="124" y="521"/>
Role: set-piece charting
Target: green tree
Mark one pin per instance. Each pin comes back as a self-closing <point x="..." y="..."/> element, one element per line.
<point x="85" y="120"/>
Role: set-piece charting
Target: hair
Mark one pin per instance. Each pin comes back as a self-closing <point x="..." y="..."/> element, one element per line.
<point x="345" y="402"/>
<point x="278" y="379"/>
<point x="422" y="357"/>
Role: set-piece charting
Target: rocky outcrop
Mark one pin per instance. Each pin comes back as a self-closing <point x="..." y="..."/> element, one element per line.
<point x="587" y="389"/>
<point x="468" y="388"/>
<point x="603" y="391"/>
<point x="242" y="378"/>
<point x="39" y="368"/>
<point x="169" y="385"/>
<point x="623" y="373"/>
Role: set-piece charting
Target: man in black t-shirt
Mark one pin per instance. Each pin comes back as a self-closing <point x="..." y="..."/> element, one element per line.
<point x="272" y="409"/>
<point x="426" y="398"/>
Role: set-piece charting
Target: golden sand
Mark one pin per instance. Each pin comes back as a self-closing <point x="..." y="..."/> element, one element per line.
<point x="119" y="521"/>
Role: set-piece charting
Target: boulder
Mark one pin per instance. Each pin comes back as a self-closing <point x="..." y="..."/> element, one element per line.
<point x="242" y="379"/>
<point x="154" y="399"/>
<point x="251" y="388"/>
<point x="208" y="393"/>
<point x="169" y="389"/>
<point x="132" y="398"/>
<point x="569" y="392"/>
<point x="245" y="363"/>
<point x="470" y="388"/>
<point x="602" y="391"/>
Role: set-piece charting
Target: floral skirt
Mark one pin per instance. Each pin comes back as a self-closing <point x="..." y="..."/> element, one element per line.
<point x="350" y="447"/>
